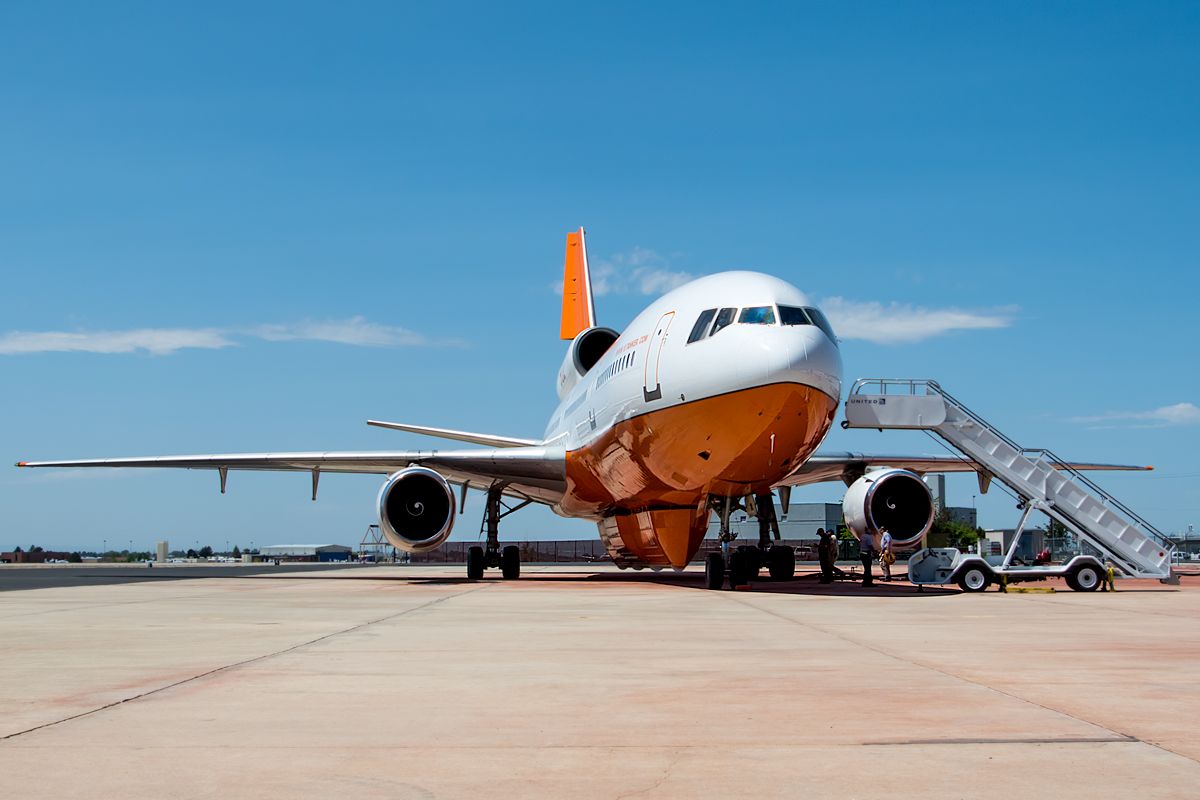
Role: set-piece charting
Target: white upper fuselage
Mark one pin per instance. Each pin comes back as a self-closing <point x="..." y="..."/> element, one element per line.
<point x="653" y="366"/>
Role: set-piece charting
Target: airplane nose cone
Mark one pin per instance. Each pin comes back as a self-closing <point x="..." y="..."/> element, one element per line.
<point x="804" y="354"/>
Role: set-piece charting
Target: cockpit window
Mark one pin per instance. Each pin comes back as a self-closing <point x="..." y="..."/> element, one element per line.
<point x="700" y="329"/>
<point x="819" y="320"/>
<point x="724" y="318"/>
<point x="790" y="315"/>
<point x="758" y="315"/>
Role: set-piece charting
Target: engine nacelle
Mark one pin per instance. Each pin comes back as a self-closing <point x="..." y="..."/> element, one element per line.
<point x="416" y="509"/>
<point x="895" y="499"/>
<point x="586" y="349"/>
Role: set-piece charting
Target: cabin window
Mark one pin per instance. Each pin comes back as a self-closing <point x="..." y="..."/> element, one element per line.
<point x="700" y="329"/>
<point x="758" y="315"/>
<point x="724" y="319"/>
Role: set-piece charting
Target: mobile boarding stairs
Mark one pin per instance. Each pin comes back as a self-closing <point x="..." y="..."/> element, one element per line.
<point x="1041" y="481"/>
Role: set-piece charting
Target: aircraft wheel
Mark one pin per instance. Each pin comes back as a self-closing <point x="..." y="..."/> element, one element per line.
<point x="474" y="563"/>
<point x="974" y="579"/>
<point x="510" y="562"/>
<point x="1085" y="578"/>
<point x="781" y="561"/>
<point x="752" y="559"/>
<point x="714" y="571"/>
<point x="739" y="569"/>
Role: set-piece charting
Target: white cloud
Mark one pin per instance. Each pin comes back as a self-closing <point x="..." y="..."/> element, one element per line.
<point x="159" y="341"/>
<point x="355" y="331"/>
<point x="901" y="323"/>
<point x="639" y="271"/>
<point x="1164" y="416"/>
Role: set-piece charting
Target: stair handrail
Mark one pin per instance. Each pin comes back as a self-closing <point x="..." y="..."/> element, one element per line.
<point x="929" y="384"/>
<point x="1056" y="461"/>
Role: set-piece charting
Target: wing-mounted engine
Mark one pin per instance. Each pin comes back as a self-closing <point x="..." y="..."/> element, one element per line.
<point x="416" y="509"/>
<point x="895" y="499"/>
<point x="586" y="349"/>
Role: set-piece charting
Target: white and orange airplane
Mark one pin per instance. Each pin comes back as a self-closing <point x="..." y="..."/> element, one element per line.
<point x="715" y="396"/>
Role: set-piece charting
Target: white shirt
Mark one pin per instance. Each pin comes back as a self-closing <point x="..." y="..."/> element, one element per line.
<point x="885" y="542"/>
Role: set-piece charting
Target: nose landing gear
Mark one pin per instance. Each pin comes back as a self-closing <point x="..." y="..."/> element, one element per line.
<point x="744" y="563"/>
<point x="507" y="559"/>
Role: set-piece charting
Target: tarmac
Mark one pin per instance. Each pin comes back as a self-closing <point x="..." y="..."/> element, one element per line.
<point x="582" y="681"/>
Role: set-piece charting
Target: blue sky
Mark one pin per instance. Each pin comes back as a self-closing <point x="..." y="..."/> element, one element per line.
<point x="244" y="229"/>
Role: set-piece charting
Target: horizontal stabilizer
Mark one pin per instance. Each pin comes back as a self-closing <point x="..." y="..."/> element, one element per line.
<point x="488" y="439"/>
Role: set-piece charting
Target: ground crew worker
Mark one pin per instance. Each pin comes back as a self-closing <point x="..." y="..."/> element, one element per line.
<point x="826" y="553"/>
<point x="886" y="556"/>
<point x="866" y="554"/>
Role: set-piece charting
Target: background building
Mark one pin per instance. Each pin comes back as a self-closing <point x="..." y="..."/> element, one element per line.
<point x="306" y="552"/>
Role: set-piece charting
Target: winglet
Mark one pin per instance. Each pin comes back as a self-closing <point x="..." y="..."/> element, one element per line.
<point x="578" y="313"/>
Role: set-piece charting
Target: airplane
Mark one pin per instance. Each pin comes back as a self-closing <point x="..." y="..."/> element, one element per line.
<point x="712" y="399"/>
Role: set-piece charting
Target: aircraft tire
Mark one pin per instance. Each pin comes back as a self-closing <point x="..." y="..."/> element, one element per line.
<point x="475" y="563"/>
<point x="781" y="561"/>
<point x="752" y="559"/>
<point x="510" y="562"/>
<point x="714" y="571"/>
<point x="739" y="569"/>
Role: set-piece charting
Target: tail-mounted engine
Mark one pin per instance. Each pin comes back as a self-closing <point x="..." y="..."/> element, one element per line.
<point x="895" y="499"/>
<point x="416" y="509"/>
<point x="586" y="349"/>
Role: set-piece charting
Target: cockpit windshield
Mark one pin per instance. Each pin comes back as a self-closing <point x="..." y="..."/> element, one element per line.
<point x="724" y="319"/>
<point x="758" y="315"/>
<point x="791" y="315"/>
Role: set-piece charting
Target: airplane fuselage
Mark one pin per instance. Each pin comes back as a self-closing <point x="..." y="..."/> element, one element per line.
<point x="680" y="408"/>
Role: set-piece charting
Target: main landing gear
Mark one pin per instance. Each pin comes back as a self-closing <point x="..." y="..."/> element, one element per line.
<point x="744" y="563"/>
<point x="507" y="559"/>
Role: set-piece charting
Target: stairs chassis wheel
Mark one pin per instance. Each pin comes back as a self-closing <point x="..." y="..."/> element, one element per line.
<point x="974" y="579"/>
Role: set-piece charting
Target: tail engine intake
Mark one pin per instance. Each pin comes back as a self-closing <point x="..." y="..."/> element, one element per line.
<point x="895" y="499"/>
<point x="416" y="509"/>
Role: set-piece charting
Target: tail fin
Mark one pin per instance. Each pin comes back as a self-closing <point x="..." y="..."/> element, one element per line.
<point x="578" y="313"/>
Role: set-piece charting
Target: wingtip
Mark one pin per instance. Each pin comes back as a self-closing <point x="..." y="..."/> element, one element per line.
<point x="22" y="463"/>
<point x="1148" y="468"/>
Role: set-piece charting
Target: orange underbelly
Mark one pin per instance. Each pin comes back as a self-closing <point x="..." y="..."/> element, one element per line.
<point x="734" y="444"/>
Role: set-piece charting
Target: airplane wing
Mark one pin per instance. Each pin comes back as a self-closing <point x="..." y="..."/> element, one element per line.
<point x="537" y="473"/>
<point x="847" y="467"/>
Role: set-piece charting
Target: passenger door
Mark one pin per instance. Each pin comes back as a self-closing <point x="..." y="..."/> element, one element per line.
<point x="651" y="370"/>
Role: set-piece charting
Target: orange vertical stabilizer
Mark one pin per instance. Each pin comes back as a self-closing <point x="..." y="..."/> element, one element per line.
<point x="578" y="313"/>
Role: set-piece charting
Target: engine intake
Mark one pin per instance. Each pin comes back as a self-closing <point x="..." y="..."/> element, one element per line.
<point x="895" y="499"/>
<point x="586" y="349"/>
<point x="416" y="509"/>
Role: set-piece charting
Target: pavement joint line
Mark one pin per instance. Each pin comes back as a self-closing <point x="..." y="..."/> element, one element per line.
<point x="229" y="667"/>
<point x="1118" y="735"/>
<point x="1012" y="740"/>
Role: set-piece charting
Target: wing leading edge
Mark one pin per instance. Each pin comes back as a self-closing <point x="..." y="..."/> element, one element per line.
<point x="534" y="472"/>
<point x="848" y="466"/>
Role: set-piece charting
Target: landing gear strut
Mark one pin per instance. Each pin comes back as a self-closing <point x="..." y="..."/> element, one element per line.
<point x="507" y="559"/>
<point x="780" y="559"/>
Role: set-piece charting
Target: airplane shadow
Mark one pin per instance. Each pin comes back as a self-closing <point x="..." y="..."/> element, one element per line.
<point x="694" y="581"/>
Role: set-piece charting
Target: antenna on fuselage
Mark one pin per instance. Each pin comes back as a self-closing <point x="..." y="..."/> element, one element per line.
<point x="578" y="311"/>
